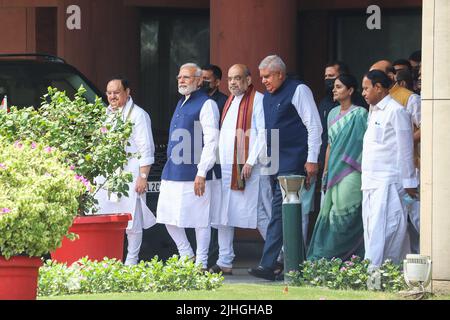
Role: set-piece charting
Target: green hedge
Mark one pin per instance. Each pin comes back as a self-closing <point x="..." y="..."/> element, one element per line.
<point x="110" y="275"/>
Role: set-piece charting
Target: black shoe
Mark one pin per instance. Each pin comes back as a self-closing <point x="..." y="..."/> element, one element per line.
<point x="217" y="269"/>
<point x="279" y="276"/>
<point x="261" y="272"/>
<point x="279" y="267"/>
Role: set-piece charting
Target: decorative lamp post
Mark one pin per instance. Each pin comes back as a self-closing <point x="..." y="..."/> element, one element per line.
<point x="294" y="248"/>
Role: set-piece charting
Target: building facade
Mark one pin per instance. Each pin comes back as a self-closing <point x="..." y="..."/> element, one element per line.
<point x="147" y="40"/>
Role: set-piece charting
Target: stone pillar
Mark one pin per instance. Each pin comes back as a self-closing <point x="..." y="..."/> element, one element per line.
<point x="435" y="166"/>
<point x="247" y="31"/>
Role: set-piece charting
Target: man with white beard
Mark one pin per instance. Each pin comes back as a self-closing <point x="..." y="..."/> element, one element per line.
<point x="189" y="173"/>
<point x="246" y="194"/>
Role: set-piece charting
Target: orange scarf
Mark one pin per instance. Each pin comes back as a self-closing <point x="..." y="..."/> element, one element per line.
<point x="242" y="140"/>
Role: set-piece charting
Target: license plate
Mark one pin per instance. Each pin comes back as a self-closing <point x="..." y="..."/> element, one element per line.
<point x="153" y="186"/>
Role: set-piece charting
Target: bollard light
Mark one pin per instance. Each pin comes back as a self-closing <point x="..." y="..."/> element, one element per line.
<point x="294" y="249"/>
<point x="417" y="272"/>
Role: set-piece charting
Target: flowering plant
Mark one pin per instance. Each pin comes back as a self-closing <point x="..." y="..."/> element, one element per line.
<point x="91" y="142"/>
<point x="38" y="199"/>
<point x="353" y="274"/>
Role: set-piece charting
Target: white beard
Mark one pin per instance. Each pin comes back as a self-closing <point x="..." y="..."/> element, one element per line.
<point x="185" y="91"/>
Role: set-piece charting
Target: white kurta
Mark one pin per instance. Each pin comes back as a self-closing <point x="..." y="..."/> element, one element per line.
<point x="143" y="148"/>
<point x="387" y="168"/>
<point x="240" y="208"/>
<point x="177" y="204"/>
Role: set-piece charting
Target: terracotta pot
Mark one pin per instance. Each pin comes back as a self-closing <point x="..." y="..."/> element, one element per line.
<point x="19" y="278"/>
<point x="99" y="236"/>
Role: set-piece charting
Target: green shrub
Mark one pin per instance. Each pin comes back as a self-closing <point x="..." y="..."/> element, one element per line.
<point x="89" y="140"/>
<point x="111" y="276"/>
<point x="353" y="274"/>
<point x="38" y="198"/>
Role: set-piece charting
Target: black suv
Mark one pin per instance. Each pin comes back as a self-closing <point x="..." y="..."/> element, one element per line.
<point x="24" y="79"/>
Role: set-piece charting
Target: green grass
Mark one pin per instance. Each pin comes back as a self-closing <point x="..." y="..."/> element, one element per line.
<point x="242" y="292"/>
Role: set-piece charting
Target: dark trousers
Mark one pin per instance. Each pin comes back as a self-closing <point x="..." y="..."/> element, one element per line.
<point x="274" y="237"/>
<point x="213" y="253"/>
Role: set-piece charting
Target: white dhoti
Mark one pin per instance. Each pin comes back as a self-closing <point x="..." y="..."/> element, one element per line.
<point x="179" y="208"/>
<point x="135" y="204"/>
<point x="385" y="224"/>
<point x="249" y="208"/>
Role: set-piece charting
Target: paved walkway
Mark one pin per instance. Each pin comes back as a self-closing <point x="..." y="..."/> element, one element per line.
<point x="240" y="275"/>
<point x="248" y="255"/>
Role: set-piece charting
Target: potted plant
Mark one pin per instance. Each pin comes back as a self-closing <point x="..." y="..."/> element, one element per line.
<point x="92" y="144"/>
<point x="38" y="202"/>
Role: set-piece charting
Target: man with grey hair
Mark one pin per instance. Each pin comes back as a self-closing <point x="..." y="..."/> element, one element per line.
<point x="190" y="171"/>
<point x="290" y="109"/>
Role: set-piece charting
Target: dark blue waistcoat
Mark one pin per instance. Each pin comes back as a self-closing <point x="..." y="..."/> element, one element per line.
<point x="185" y="118"/>
<point x="280" y="113"/>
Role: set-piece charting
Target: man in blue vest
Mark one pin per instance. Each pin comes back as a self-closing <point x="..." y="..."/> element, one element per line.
<point x="190" y="173"/>
<point x="289" y="107"/>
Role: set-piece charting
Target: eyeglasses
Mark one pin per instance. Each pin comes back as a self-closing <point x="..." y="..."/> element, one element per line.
<point x="236" y="78"/>
<point x="113" y="93"/>
<point x="186" y="77"/>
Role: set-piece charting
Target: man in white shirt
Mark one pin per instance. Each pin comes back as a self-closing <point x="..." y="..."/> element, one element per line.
<point x="142" y="147"/>
<point x="289" y="110"/>
<point x="246" y="194"/>
<point x="412" y="102"/>
<point x="190" y="171"/>
<point x="387" y="173"/>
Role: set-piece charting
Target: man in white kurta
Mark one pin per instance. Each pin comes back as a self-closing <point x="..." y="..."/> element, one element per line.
<point x="250" y="206"/>
<point x="186" y="187"/>
<point x="142" y="147"/>
<point x="388" y="173"/>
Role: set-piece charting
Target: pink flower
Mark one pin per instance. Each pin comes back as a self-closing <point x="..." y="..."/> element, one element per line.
<point x="72" y="167"/>
<point x="4" y="211"/>
<point x="48" y="149"/>
<point x="2" y="166"/>
<point x="18" y="144"/>
<point x="103" y="130"/>
<point x="33" y="145"/>
<point x="343" y="269"/>
<point x="84" y="181"/>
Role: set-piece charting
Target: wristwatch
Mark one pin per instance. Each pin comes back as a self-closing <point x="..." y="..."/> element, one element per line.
<point x="143" y="175"/>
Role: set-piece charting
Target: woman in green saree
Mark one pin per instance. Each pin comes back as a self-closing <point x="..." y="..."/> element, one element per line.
<point x="339" y="228"/>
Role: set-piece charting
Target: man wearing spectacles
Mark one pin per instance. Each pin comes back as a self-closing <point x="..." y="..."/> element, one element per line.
<point x="142" y="147"/>
<point x="289" y="108"/>
<point x="190" y="173"/>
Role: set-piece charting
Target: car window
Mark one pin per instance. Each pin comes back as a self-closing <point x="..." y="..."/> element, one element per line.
<point x="25" y="84"/>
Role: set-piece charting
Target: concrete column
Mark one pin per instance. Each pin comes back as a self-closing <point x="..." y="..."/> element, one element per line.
<point x="435" y="168"/>
<point x="247" y="31"/>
